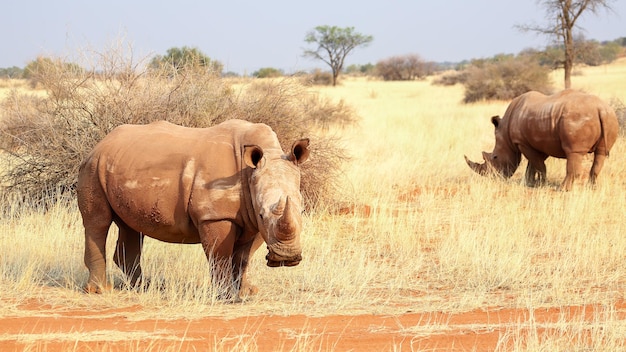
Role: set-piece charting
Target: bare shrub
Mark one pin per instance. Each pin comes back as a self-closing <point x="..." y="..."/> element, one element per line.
<point x="44" y="139"/>
<point x="504" y="78"/>
<point x="318" y="78"/>
<point x="451" y="78"/>
<point x="404" y="68"/>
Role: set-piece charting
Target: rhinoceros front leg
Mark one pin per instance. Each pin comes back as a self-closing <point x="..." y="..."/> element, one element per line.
<point x="218" y="241"/>
<point x="240" y="261"/>
<point x="536" y="168"/>
<point x="128" y="252"/>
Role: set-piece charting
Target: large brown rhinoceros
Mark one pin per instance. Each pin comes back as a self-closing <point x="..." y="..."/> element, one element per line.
<point x="229" y="187"/>
<point x="568" y="125"/>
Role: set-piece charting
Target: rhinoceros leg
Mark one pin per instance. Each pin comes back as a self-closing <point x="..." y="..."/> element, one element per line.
<point x="536" y="168"/>
<point x="240" y="261"/>
<point x="128" y="252"/>
<point x="574" y="164"/>
<point x="97" y="218"/>
<point x="598" y="163"/>
<point x="218" y="240"/>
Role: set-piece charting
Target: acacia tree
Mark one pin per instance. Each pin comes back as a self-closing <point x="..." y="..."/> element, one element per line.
<point x="334" y="44"/>
<point x="562" y="16"/>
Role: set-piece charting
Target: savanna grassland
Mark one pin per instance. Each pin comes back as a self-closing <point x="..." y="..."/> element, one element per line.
<point x="447" y="259"/>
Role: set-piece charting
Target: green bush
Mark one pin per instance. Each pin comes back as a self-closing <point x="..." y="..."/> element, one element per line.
<point x="267" y="72"/>
<point x="11" y="72"/>
<point x="45" y="138"/>
<point x="504" y="78"/>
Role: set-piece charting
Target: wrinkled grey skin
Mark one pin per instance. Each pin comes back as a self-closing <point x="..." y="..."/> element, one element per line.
<point x="569" y="124"/>
<point x="229" y="187"/>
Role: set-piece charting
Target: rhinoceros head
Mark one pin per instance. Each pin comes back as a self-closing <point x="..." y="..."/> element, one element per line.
<point x="275" y="194"/>
<point x="504" y="159"/>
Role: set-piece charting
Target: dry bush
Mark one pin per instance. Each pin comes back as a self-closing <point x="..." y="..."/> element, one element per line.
<point x="404" y="68"/>
<point x="318" y="78"/>
<point x="620" y="111"/>
<point x="46" y="138"/>
<point x="504" y="78"/>
<point x="451" y="78"/>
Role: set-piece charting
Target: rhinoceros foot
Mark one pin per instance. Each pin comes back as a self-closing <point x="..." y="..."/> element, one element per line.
<point x="98" y="289"/>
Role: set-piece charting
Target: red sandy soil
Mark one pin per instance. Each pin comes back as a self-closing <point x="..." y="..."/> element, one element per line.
<point x="478" y="330"/>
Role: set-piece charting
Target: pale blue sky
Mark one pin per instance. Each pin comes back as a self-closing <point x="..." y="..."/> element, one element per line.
<point x="246" y="35"/>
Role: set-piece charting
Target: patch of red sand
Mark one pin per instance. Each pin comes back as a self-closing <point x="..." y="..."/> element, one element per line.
<point x="478" y="330"/>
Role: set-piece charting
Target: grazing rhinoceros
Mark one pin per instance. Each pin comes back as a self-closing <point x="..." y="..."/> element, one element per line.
<point x="229" y="187"/>
<point x="567" y="125"/>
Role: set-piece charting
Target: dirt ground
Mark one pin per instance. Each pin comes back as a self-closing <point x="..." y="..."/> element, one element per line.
<point x="60" y="329"/>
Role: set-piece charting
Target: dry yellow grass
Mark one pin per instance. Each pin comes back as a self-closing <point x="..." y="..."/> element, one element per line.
<point x="436" y="236"/>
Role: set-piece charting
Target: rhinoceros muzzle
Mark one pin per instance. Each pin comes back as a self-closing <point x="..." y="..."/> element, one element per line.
<point x="274" y="260"/>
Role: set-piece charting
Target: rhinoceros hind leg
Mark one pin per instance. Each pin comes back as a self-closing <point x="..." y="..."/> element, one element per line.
<point x="97" y="218"/>
<point x="127" y="254"/>
<point x="574" y="164"/>
<point x="598" y="163"/>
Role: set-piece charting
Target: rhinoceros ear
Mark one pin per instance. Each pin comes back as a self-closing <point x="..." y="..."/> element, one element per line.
<point x="252" y="155"/>
<point x="299" y="151"/>
<point x="495" y="120"/>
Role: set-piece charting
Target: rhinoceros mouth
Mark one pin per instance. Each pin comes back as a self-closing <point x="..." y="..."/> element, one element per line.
<point x="273" y="262"/>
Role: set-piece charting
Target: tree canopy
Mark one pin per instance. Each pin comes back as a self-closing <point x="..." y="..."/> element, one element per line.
<point x="334" y="44"/>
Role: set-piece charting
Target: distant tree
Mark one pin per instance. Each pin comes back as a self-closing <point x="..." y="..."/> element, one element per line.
<point x="267" y="72"/>
<point x="355" y="69"/>
<point x="178" y="59"/>
<point x="334" y="44"/>
<point x="562" y="16"/>
<point x="610" y="51"/>
<point x="11" y="72"/>
<point x="588" y="52"/>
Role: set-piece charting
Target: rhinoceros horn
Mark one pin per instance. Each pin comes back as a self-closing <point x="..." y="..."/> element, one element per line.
<point x="480" y="169"/>
<point x="287" y="223"/>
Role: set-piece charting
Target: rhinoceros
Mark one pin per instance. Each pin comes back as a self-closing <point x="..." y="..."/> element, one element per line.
<point x="229" y="187"/>
<point x="568" y="124"/>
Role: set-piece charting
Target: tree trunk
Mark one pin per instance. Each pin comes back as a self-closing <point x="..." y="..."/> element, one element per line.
<point x="569" y="59"/>
<point x="567" y="23"/>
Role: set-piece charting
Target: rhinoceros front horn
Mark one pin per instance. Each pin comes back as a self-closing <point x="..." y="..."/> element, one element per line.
<point x="478" y="168"/>
<point x="287" y="223"/>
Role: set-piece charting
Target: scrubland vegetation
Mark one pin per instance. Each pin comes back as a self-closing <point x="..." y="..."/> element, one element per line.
<point x="408" y="228"/>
